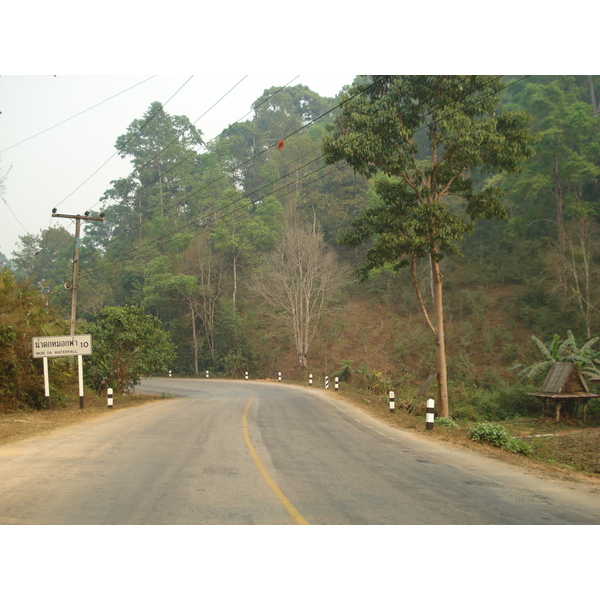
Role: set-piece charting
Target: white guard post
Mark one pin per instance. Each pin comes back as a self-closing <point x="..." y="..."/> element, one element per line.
<point x="430" y="414"/>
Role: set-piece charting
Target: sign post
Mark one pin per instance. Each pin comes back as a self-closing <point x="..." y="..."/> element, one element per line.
<point x="57" y="347"/>
<point x="46" y="382"/>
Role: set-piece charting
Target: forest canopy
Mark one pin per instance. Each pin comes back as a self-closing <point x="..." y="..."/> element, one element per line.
<point x="188" y="229"/>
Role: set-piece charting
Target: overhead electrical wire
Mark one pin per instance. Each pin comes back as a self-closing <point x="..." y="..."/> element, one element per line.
<point x="77" y="115"/>
<point x="142" y="127"/>
<point x="236" y="167"/>
<point x="192" y="194"/>
<point x="130" y="137"/>
<point x="138" y="131"/>
<point x="157" y="241"/>
<point x="204" y="221"/>
<point x="177" y="138"/>
<point x="188" y="196"/>
<point x="237" y="200"/>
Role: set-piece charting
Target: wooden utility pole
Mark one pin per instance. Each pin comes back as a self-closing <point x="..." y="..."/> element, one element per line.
<point x="74" y="283"/>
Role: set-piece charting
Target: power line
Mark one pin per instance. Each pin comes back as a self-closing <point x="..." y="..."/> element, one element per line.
<point x="238" y="166"/>
<point x="77" y="115"/>
<point x="174" y="140"/>
<point x="152" y="243"/>
<point x="192" y="194"/>
<point x="266" y="185"/>
<point x="204" y="221"/>
<point x="142" y="127"/>
<point x="173" y="232"/>
<point x="130" y="137"/>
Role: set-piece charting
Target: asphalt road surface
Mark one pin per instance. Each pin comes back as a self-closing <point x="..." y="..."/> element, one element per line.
<point x="243" y="452"/>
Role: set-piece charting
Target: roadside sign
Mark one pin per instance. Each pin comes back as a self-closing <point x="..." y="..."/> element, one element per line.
<point x="63" y="345"/>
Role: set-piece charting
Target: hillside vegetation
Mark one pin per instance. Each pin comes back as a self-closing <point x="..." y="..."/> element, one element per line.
<point x="195" y="228"/>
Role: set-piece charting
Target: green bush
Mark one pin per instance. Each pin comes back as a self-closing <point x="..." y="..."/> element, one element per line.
<point x="497" y="435"/>
<point x="518" y="447"/>
<point x="446" y="422"/>
<point x="492" y="433"/>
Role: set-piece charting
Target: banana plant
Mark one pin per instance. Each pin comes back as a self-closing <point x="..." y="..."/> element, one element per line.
<point x="558" y="350"/>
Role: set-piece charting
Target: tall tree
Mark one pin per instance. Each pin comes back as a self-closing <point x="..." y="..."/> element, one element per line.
<point x="567" y="156"/>
<point x="45" y="259"/>
<point x="163" y="150"/>
<point x="424" y="137"/>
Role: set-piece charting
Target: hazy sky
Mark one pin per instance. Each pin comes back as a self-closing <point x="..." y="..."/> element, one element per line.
<point x="57" y="133"/>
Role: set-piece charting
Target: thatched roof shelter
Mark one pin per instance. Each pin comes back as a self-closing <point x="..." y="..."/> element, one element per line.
<point x="565" y="382"/>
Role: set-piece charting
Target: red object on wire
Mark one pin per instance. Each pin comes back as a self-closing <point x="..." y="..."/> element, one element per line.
<point x="279" y="144"/>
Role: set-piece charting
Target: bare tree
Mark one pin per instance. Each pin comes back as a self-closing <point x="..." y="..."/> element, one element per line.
<point x="583" y="270"/>
<point x="298" y="279"/>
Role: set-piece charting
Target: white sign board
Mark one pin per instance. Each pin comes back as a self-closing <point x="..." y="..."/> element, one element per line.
<point x="63" y="345"/>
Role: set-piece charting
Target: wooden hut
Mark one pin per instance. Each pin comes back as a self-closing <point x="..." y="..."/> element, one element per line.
<point x="565" y="385"/>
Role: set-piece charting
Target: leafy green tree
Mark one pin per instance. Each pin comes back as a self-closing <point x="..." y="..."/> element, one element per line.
<point x="424" y="137"/>
<point x="127" y="344"/>
<point x="163" y="150"/>
<point x="245" y="232"/>
<point x="45" y="259"/>
<point x="170" y="292"/>
<point x="24" y="314"/>
<point x="566" y="163"/>
<point x="566" y="350"/>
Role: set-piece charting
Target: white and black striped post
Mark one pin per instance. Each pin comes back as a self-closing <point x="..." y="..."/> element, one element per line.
<point x="109" y="400"/>
<point x="169" y="372"/>
<point x="246" y="375"/>
<point x="310" y="379"/>
<point x="326" y="382"/>
<point x="336" y="384"/>
<point x="206" y="374"/>
<point x="392" y="403"/>
<point x="279" y="376"/>
<point x="430" y="414"/>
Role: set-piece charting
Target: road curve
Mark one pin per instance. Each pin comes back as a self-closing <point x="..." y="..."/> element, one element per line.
<point x="244" y="452"/>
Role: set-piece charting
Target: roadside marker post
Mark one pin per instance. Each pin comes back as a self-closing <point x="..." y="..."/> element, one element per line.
<point x="279" y="376"/>
<point x="392" y="403"/>
<point x="430" y="414"/>
<point x="336" y="384"/>
<point x="206" y="374"/>
<point x="326" y="382"/>
<point x="310" y="379"/>
<point x="246" y="374"/>
<point x="109" y="400"/>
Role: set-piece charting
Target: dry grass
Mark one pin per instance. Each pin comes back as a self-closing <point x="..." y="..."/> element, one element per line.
<point x="21" y="425"/>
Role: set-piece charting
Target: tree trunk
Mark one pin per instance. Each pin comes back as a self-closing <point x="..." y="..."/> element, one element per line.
<point x="593" y="96"/>
<point x="194" y="336"/>
<point x="440" y="342"/>
<point x="560" y="222"/>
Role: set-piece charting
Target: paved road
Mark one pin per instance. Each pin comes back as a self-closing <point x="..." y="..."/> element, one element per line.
<point x="237" y="452"/>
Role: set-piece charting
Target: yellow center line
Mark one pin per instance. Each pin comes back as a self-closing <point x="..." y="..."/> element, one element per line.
<point x="291" y="509"/>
